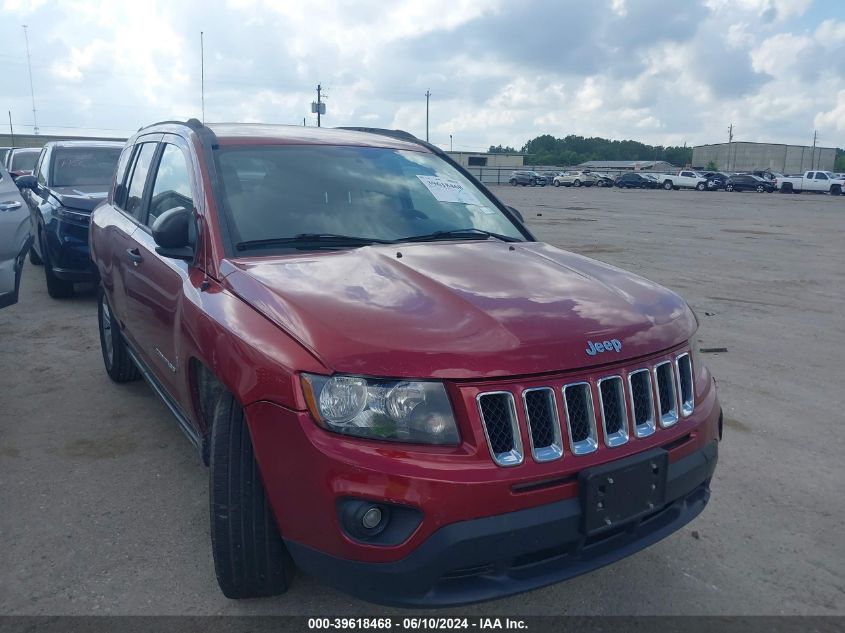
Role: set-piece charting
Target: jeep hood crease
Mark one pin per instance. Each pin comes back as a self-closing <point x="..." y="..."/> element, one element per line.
<point x="459" y="310"/>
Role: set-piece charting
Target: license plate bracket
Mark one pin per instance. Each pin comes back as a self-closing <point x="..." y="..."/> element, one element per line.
<point x="619" y="492"/>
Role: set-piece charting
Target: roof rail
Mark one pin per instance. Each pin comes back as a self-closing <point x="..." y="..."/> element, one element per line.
<point x="401" y="135"/>
<point x="192" y="123"/>
<point x="398" y="134"/>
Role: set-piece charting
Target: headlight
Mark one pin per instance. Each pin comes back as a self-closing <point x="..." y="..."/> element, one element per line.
<point x="69" y="214"/>
<point x="396" y="410"/>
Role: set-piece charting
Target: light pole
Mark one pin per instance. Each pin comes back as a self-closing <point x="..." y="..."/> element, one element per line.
<point x="450" y="142"/>
<point x="427" y="95"/>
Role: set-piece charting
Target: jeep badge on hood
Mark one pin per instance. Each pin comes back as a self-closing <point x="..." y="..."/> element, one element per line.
<point x="613" y="344"/>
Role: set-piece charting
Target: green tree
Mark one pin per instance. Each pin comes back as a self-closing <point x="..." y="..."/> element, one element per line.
<point x="574" y="149"/>
<point x="839" y="163"/>
<point x="498" y="149"/>
<point x="711" y="166"/>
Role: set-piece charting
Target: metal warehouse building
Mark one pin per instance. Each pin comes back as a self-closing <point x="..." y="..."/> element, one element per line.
<point x="741" y="156"/>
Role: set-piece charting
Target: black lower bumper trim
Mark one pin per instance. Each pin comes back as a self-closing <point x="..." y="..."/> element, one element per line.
<point x="492" y="557"/>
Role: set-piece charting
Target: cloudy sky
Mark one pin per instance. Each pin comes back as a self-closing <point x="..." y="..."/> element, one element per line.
<point x="659" y="71"/>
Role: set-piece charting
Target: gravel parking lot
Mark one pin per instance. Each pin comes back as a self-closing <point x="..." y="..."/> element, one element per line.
<point x="104" y="506"/>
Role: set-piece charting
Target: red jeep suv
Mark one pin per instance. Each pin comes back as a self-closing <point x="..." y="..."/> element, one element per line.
<point x="396" y="387"/>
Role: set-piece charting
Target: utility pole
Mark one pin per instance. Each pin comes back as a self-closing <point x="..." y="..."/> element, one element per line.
<point x="319" y="88"/>
<point x="427" y="95"/>
<point x="11" y="129"/>
<point x="730" y="138"/>
<point x="813" y="160"/>
<point x="450" y="142"/>
<point x="31" y="89"/>
<point x="202" y="75"/>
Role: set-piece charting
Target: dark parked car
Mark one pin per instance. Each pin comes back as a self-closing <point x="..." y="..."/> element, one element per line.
<point x="525" y="178"/>
<point x="747" y="182"/>
<point x="716" y="180"/>
<point x="394" y="384"/>
<point x="71" y="178"/>
<point x="636" y="181"/>
<point x="20" y="161"/>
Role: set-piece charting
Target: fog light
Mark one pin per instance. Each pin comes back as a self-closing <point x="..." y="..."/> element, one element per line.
<point x="371" y="518"/>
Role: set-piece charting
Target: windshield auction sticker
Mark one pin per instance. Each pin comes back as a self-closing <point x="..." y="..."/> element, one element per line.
<point x="445" y="190"/>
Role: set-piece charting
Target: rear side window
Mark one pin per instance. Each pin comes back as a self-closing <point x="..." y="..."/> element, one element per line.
<point x="172" y="184"/>
<point x="135" y="188"/>
<point x="121" y="175"/>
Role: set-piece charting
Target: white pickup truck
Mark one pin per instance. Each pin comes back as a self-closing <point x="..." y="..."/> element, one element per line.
<point x="685" y="178"/>
<point x="817" y="181"/>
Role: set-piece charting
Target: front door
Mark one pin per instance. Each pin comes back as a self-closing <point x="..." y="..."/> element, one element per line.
<point x="159" y="284"/>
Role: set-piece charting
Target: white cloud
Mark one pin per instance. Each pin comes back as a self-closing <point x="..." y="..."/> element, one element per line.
<point x="499" y="72"/>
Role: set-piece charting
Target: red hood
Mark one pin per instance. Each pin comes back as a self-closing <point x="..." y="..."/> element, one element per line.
<point x="459" y="310"/>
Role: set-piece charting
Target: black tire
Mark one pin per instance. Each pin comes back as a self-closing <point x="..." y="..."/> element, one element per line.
<point x="729" y="187"/>
<point x="34" y="258"/>
<point x="576" y="183"/>
<point x="513" y="182"/>
<point x="667" y="185"/>
<point x="786" y="188"/>
<point x="760" y="189"/>
<point x="250" y="558"/>
<point x="56" y="288"/>
<point x="700" y="186"/>
<point x="557" y="183"/>
<point x="836" y="190"/>
<point x="119" y="365"/>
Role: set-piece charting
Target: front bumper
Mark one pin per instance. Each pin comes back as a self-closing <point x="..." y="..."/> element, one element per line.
<point x="505" y="554"/>
<point x="66" y="243"/>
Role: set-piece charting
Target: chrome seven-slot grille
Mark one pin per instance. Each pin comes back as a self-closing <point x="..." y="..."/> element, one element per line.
<point x="627" y="406"/>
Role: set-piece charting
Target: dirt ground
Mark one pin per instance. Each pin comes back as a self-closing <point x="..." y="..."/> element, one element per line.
<point x="104" y="502"/>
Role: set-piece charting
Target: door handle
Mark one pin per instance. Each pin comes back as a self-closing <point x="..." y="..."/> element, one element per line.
<point x="134" y="255"/>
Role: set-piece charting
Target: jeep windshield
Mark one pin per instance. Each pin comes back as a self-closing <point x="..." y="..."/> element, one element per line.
<point x="303" y="197"/>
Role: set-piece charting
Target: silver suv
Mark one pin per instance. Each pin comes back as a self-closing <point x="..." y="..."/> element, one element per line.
<point x="525" y="178"/>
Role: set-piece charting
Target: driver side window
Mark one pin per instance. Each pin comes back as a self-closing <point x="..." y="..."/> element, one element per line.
<point x="172" y="184"/>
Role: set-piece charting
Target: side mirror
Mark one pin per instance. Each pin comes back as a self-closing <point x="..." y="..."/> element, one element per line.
<point x="517" y="214"/>
<point x="172" y="233"/>
<point x="26" y="182"/>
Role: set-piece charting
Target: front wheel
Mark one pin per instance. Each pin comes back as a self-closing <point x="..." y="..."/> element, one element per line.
<point x="119" y="365"/>
<point x="729" y="187"/>
<point x="513" y="182"/>
<point x="836" y="190"/>
<point x="557" y="183"/>
<point x="700" y="186"/>
<point x="250" y="558"/>
<point x="667" y="185"/>
<point x="577" y="183"/>
<point x="760" y="188"/>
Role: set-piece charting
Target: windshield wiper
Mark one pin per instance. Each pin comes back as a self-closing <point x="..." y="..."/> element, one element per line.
<point x="460" y="234"/>
<point x="313" y="239"/>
